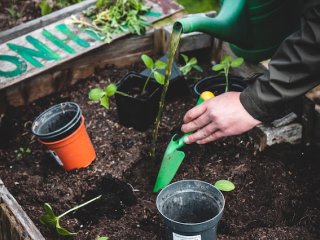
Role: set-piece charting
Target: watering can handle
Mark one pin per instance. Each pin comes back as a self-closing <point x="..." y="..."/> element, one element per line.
<point x="203" y="97"/>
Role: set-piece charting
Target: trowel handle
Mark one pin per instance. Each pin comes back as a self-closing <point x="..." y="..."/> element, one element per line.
<point x="203" y="97"/>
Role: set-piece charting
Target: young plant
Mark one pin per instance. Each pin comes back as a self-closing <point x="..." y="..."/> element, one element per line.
<point x="224" y="185"/>
<point x="47" y="7"/>
<point x="51" y="220"/>
<point x="224" y="67"/>
<point x="22" y="152"/>
<point x="154" y="68"/>
<point x="102" y="238"/>
<point x="190" y="64"/>
<point x="98" y="94"/>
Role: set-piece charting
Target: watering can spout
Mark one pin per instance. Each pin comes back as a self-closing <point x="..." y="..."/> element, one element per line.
<point x="254" y="28"/>
<point x="231" y="24"/>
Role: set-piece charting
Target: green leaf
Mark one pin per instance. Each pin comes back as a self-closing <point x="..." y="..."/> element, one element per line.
<point x="198" y="68"/>
<point x="104" y="101"/>
<point x="99" y="3"/>
<point x="147" y="61"/>
<point x="218" y="67"/>
<point x="159" y="77"/>
<point x="237" y="62"/>
<point x="64" y="232"/>
<point x="111" y="89"/>
<point x="45" y="7"/>
<point x="185" y="58"/>
<point x="224" y="185"/>
<point x="102" y="238"/>
<point x="226" y="59"/>
<point x="193" y="61"/>
<point x="160" y="65"/>
<point x="49" y="218"/>
<point x="96" y="94"/>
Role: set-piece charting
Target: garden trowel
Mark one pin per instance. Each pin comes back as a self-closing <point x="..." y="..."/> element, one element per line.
<point x="173" y="156"/>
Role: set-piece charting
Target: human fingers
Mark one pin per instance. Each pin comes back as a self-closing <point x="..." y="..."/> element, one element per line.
<point x="197" y="123"/>
<point x="213" y="137"/>
<point x="194" y="113"/>
<point x="201" y="133"/>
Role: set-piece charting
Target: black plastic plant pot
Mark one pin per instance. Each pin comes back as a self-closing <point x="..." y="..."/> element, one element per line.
<point x="57" y="122"/>
<point x="190" y="209"/>
<point x="177" y="86"/>
<point x="137" y="111"/>
<point x="217" y="85"/>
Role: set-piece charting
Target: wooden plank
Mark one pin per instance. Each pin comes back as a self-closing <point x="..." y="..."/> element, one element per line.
<point x="14" y="222"/>
<point x="59" y="55"/>
<point x="41" y="22"/>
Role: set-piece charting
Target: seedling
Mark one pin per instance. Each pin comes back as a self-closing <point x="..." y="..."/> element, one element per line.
<point x="190" y="64"/>
<point x="98" y="94"/>
<point x="224" y="67"/>
<point x="51" y="220"/>
<point x="47" y="7"/>
<point x="153" y="67"/>
<point x="22" y="152"/>
<point x="102" y="238"/>
<point x="224" y="185"/>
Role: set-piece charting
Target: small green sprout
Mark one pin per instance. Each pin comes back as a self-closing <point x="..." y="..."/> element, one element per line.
<point x="102" y="238"/>
<point x="190" y="64"/>
<point x="224" y="67"/>
<point x="51" y="220"/>
<point x="154" y="68"/>
<point x="22" y="152"/>
<point x="98" y="94"/>
<point x="224" y="185"/>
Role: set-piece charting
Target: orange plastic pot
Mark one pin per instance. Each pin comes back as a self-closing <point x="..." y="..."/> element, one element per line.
<point x="76" y="150"/>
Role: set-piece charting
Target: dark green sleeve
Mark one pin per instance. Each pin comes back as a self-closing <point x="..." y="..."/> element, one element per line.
<point x="293" y="70"/>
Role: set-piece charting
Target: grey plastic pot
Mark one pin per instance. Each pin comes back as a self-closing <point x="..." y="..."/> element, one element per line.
<point x="191" y="210"/>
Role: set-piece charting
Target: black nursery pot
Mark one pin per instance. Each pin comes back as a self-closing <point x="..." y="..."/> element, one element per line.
<point x="190" y="209"/>
<point x="136" y="111"/>
<point x="217" y="85"/>
<point x="177" y="86"/>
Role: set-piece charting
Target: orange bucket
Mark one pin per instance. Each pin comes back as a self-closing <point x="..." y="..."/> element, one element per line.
<point x="76" y="150"/>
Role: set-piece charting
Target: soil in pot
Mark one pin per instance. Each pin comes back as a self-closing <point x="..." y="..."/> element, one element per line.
<point x="277" y="193"/>
<point x="217" y="85"/>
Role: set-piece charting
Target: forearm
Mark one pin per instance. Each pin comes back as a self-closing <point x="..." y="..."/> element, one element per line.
<point x="293" y="70"/>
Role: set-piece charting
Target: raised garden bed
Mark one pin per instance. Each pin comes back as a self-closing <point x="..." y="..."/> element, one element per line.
<point x="277" y="193"/>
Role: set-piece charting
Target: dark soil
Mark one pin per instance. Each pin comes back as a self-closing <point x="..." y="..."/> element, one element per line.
<point x="15" y="12"/>
<point x="277" y="193"/>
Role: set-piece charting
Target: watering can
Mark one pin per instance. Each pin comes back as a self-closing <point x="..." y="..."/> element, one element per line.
<point x="254" y="28"/>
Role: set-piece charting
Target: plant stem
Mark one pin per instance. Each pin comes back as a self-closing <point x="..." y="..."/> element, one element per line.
<point x="227" y="78"/>
<point x="146" y="83"/>
<point x="123" y="94"/>
<point x="77" y="207"/>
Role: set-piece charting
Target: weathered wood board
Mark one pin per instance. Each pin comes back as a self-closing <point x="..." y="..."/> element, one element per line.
<point x="58" y="43"/>
<point x="14" y="222"/>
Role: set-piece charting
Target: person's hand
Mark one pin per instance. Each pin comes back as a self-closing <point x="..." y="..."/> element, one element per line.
<point x="218" y="117"/>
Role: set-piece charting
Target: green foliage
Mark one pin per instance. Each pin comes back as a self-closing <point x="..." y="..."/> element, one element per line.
<point x="102" y="238"/>
<point x="189" y="65"/>
<point x="115" y="16"/>
<point x="224" y="185"/>
<point x="224" y="67"/>
<point x="154" y="68"/>
<point x="14" y="12"/>
<point x="103" y="96"/>
<point x="51" y="220"/>
<point x="47" y="7"/>
<point x="22" y="152"/>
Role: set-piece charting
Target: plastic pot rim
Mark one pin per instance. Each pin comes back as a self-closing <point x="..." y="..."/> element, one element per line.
<point x="62" y="129"/>
<point x="191" y="224"/>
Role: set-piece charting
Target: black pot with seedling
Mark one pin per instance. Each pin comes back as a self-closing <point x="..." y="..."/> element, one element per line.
<point x="137" y="97"/>
<point x="223" y="82"/>
<point x="178" y="85"/>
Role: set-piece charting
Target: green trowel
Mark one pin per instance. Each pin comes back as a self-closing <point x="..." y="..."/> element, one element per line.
<point x="173" y="157"/>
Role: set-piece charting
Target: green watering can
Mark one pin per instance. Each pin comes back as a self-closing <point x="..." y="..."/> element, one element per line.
<point x="254" y="28"/>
